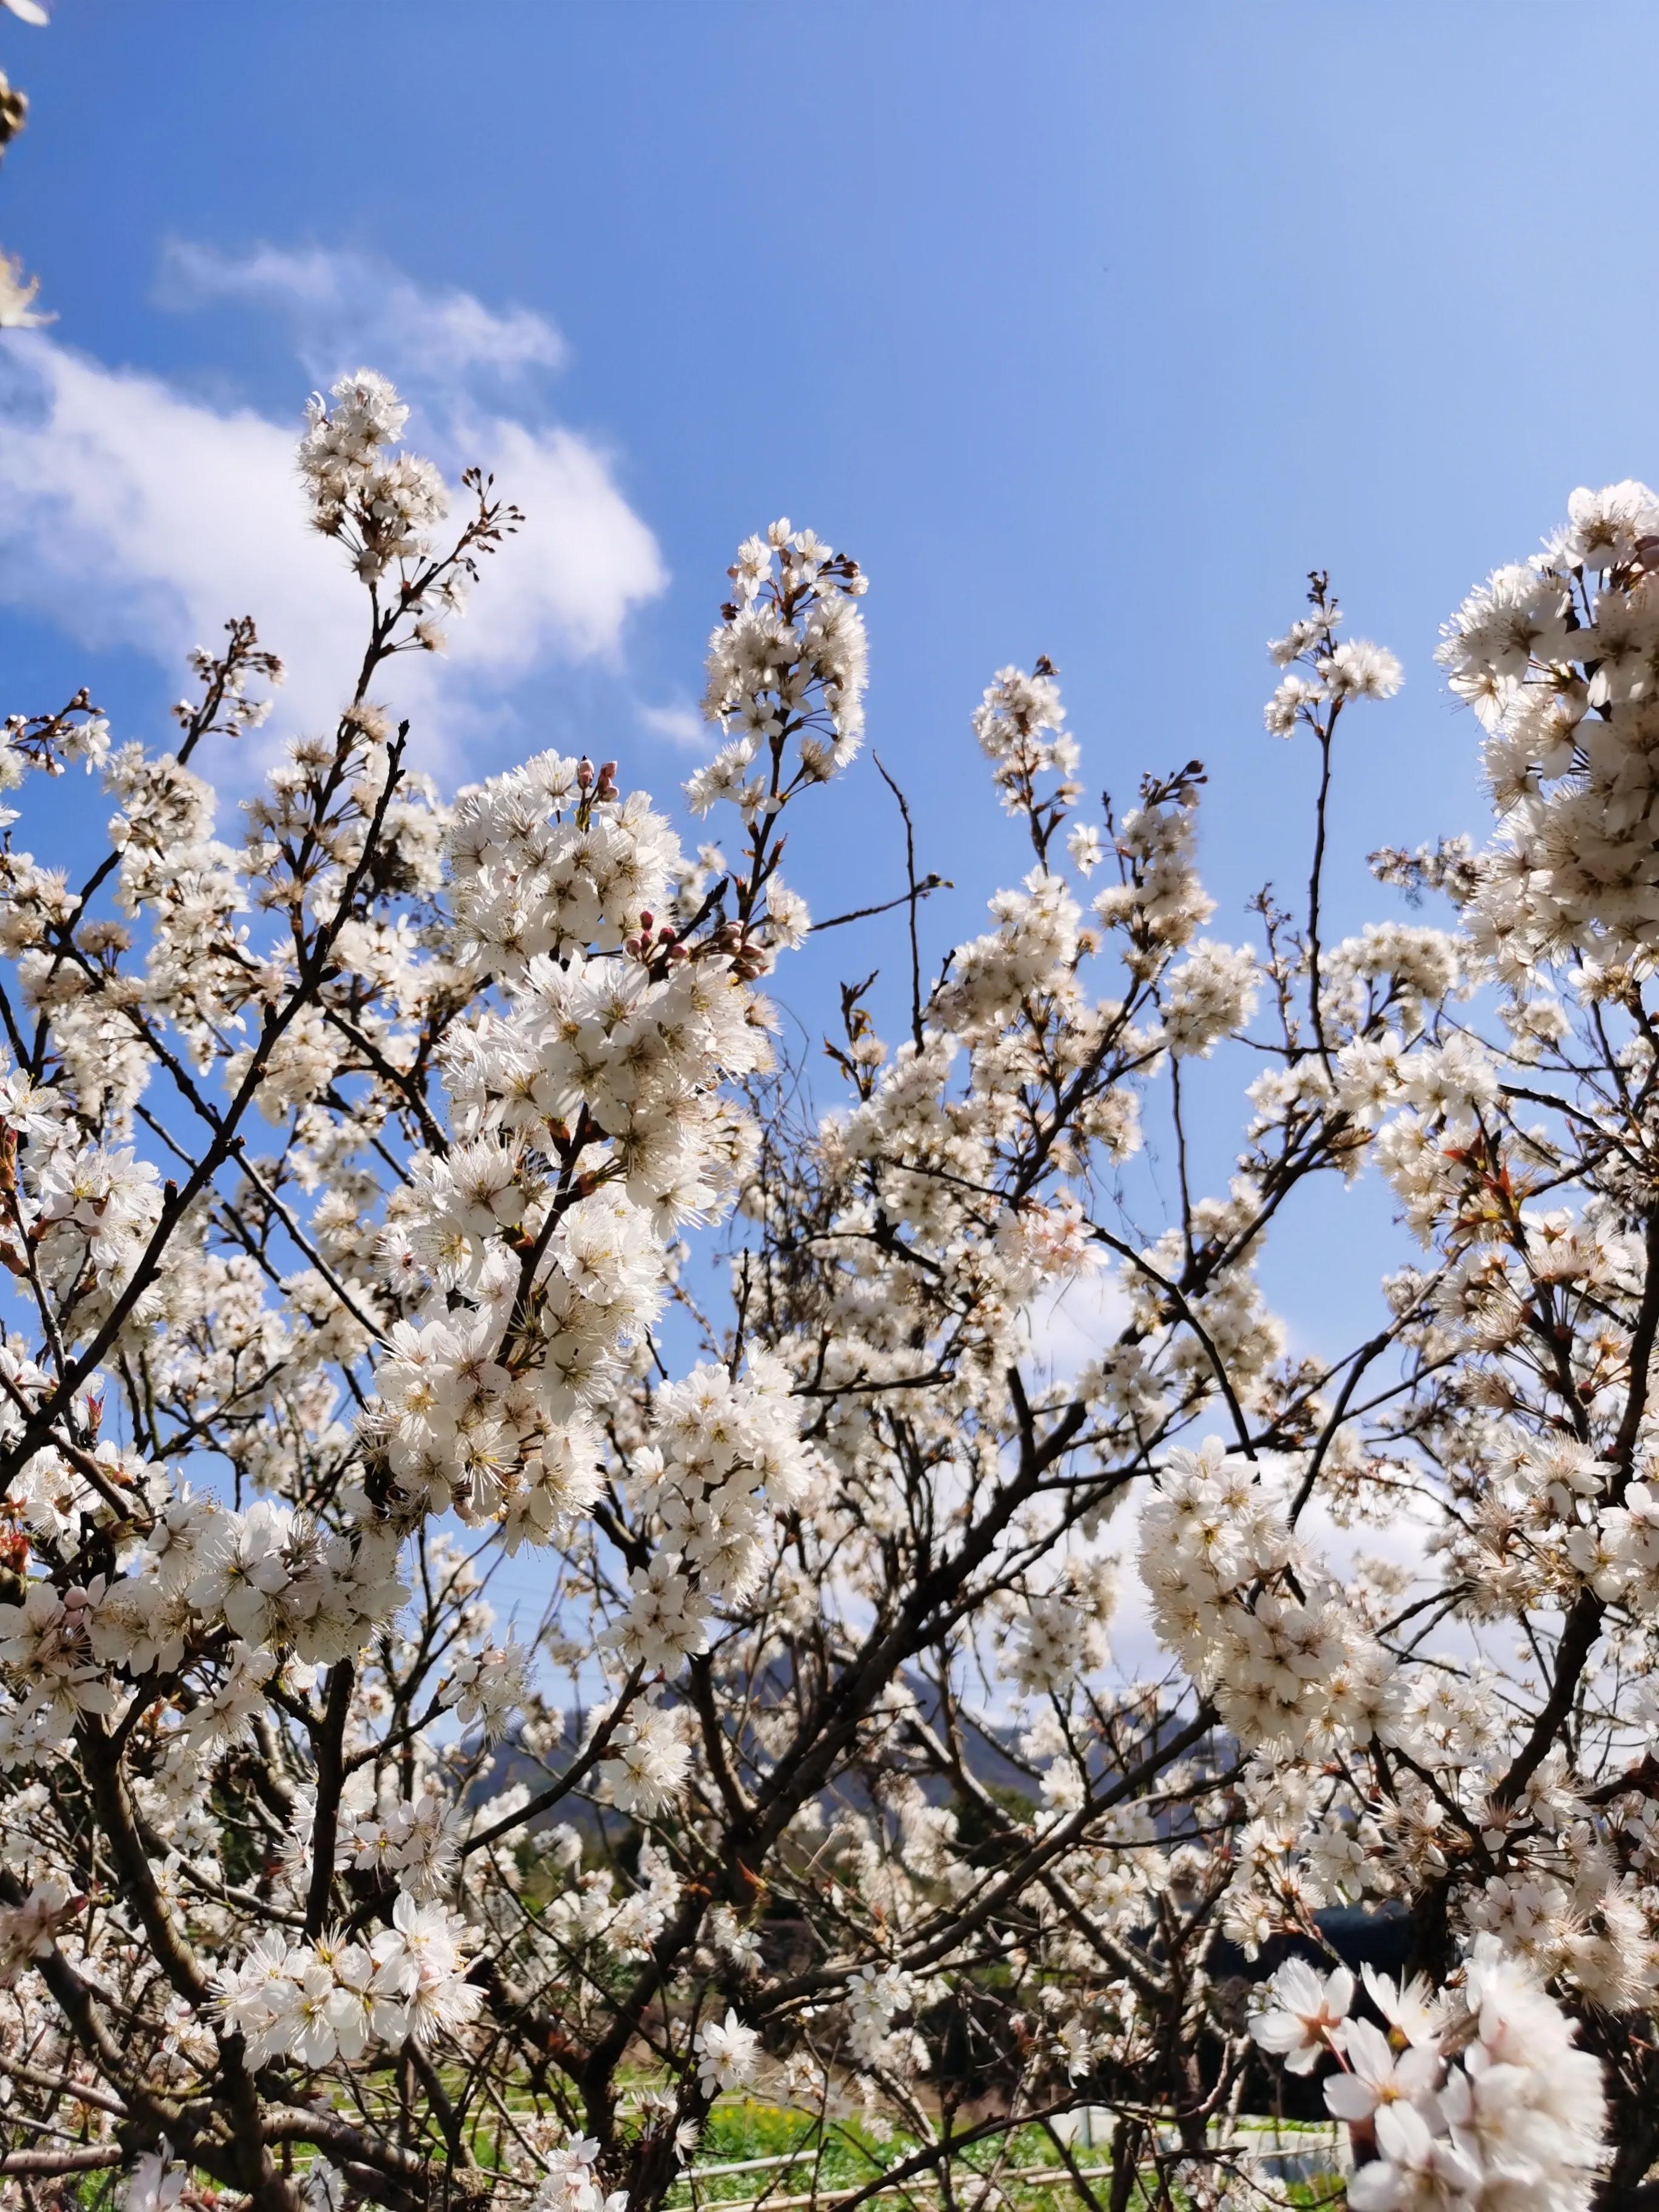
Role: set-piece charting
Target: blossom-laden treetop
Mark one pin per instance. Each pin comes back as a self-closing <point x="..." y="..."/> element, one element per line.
<point x="349" y="1176"/>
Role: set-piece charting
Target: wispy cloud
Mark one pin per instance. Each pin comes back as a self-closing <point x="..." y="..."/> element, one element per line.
<point x="341" y="307"/>
<point x="133" y="513"/>
<point x="680" y="726"/>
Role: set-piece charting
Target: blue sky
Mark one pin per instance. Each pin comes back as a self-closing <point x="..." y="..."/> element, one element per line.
<point x="1088" y="328"/>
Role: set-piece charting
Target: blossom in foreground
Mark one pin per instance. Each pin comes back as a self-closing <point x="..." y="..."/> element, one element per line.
<point x="1306" y="2014"/>
<point x="725" y="2054"/>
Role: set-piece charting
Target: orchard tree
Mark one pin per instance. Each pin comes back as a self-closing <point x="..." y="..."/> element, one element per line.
<point x="360" y="1193"/>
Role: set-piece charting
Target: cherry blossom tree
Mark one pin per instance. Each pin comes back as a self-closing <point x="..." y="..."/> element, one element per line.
<point x="420" y="1183"/>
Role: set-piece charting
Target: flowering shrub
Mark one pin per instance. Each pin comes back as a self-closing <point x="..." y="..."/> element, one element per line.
<point x="347" y="1176"/>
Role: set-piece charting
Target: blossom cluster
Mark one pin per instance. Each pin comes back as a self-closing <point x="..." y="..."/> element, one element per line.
<point x="1256" y="1623"/>
<point x="1557" y="657"/>
<point x="383" y="503"/>
<point x="1478" y="2098"/>
<point x="788" y="660"/>
<point x="333" y="1997"/>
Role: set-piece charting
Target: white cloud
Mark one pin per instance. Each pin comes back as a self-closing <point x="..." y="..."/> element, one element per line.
<point x="344" y="308"/>
<point x="133" y="513"/>
<point x="680" y="725"/>
<point x="1072" y="1325"/>
<point x="582" y="557"/>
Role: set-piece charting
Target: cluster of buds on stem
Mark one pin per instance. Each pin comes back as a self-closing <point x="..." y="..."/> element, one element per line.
<point x="659" y="949"/>
<point x="596" y="785"/>
<point x="748" y="959"/>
